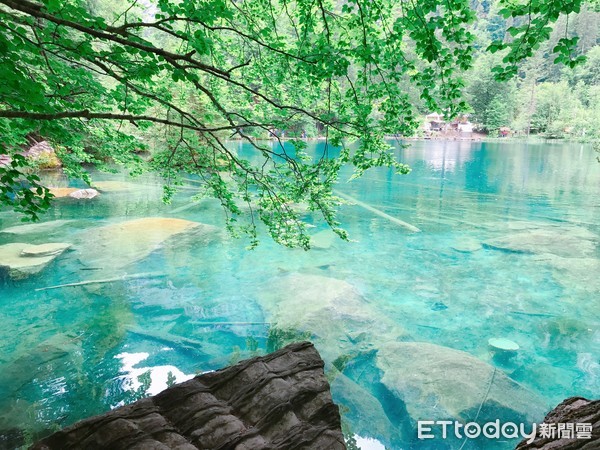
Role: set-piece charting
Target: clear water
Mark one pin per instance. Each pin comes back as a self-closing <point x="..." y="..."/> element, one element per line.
<point x="73" y="352"/>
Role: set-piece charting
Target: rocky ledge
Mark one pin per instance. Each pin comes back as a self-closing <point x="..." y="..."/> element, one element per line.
<point x="574" y="410"/>
<point x="278" y="401"/>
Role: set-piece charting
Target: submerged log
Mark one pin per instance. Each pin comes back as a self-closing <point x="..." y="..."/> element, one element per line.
<point x="278" y="401"/>
<point x="574" y="410"/>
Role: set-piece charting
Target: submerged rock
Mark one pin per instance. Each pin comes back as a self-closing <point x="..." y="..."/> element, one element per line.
<point x="54" y="249"/>
<point x="279" y="401"/>
<point x="574" y="411"/>
<point x="577" y="274"/>
<point x="503" y="345"/>
<point x="561" y="241"/>
<point x="439" y="306"/>
<point x="38" y="361"/>
<point x="323" y="239"/>
<point x="117" y="245"/>
<point x="364" y="410"/>
<point x="21" y="260"/>
<point x="332" y="310"/>
<point x="466" y="246"/>
<point x="36" y="228"/>
<point x="439" y="383"/>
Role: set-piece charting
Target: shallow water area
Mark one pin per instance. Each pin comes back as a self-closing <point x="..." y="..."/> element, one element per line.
<point x="507" y="249"/>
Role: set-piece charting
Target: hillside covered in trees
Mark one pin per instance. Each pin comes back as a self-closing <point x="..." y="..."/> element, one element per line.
<point x="552" y="100"/>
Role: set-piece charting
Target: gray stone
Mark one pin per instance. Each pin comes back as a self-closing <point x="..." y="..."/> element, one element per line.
<point x="279" y="401"/>
<point x="36" y="228"/>
<point x="114" y="246"/>
<point x="43" y="154"/>
<point x="566" y="241"/>
<point x="330" y="309"/>
<point x="574" y="410"/>
<point x="84" y="194"/>
<point x="466" y="246"/>
<point x="437" y="382"/>
<point x="20" y="260"/>
<point x="54" y="249"/>
<point x="323" y="239"/>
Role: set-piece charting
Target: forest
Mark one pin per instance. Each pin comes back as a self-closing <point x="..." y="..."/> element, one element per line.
<point x="545" y="99"/>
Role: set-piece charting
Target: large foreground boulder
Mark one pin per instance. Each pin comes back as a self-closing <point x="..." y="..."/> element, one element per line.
<point x="575" y="411"/>
<point x="279" y="401"/>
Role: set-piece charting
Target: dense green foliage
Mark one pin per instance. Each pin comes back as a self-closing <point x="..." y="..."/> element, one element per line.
<point x="104" y="80"/>
<point x="544" y="98"/>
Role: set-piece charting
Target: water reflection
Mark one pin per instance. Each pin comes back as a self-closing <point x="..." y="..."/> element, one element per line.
<point x="508" y="249"/>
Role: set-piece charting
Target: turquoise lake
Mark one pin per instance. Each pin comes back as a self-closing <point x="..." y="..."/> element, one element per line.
<point x="506" y="248"/>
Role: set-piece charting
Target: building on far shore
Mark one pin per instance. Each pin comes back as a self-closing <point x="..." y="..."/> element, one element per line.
<point x="434" y="122"/>
<point x="435" y="126"/>
<point x="465" y="129"/>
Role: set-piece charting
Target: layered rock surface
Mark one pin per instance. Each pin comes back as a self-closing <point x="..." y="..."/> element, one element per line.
<point x="574" y="410"/>
<point x="279" y="401"/>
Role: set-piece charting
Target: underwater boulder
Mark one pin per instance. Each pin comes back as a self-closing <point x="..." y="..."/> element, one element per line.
<point x="323" y="239"/>
<point x="567" y="242"/>
<point x="36" y="228"/>
<point x="21" y="260"/>
<point x="438" y="383"/>
<point x="38" y="361"/>
<point x="114" y="246"/>
<point x="466" y="245"/>
<point x="331" y="310"/>
<point x="363" y="410"/>
<point x="577" y="274"/>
